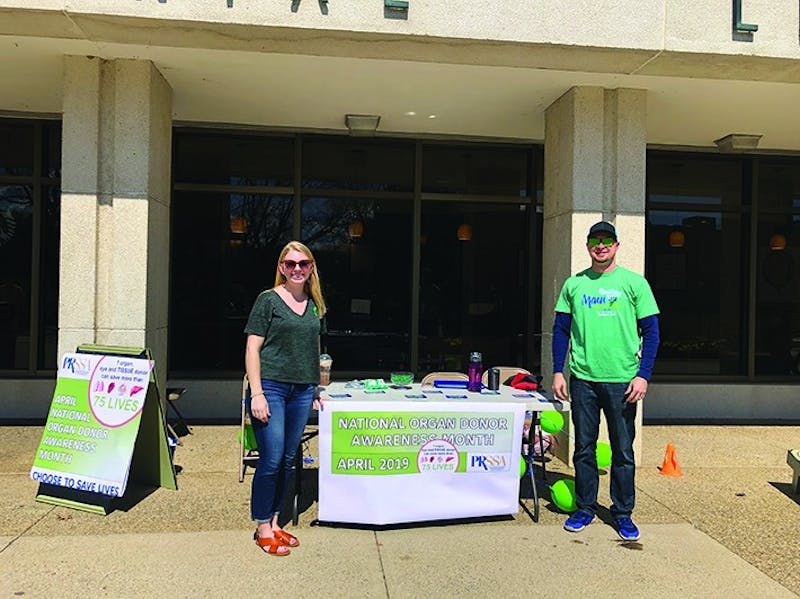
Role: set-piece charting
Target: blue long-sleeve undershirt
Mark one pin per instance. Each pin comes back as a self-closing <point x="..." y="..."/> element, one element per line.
<point x="560" y="340"/>
<point x="648" y="329"/>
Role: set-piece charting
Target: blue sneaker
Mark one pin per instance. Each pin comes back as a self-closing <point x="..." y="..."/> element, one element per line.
<point x="578" y="521"/>
<point x="626" y="529"/>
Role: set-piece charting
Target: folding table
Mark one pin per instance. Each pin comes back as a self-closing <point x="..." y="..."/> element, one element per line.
<point x="348" y="398"/>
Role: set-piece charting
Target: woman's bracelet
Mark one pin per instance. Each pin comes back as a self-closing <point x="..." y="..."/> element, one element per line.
<point x="256" y="395"/>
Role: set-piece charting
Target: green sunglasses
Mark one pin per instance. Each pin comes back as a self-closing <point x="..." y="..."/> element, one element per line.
<point x="593" y="242"/>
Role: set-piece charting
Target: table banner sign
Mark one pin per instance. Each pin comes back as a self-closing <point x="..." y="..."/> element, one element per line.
<point x="386" y="462"/>
<point x="92" y="424"/>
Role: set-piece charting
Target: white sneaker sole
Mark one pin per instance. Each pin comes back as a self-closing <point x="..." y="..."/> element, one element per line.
<point x="573" y="529"/>
<point x="624" y="538"/>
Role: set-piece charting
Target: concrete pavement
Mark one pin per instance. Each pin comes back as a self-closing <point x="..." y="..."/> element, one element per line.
<point x="728" y="526"/>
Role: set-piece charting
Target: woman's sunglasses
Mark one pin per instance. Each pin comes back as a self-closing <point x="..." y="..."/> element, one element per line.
<point x="292" y="264"/>
<point x="593" y="242"/>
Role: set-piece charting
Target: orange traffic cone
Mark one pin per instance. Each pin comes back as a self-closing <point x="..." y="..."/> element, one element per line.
<point x="670" y="466"/>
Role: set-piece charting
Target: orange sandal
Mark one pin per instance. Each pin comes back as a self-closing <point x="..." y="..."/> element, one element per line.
<point x="286" y="538"/>
<point x="271" y="545"/>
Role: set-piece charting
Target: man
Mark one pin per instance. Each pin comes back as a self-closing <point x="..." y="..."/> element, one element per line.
<point x="608" y="317"/>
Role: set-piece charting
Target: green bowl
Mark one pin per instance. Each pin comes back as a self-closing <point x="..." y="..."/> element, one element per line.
<point x="402" y="378"/>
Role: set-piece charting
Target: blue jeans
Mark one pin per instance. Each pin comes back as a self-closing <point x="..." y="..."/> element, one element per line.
<point x="587" y="399"/>
<point x="277" y="440"/>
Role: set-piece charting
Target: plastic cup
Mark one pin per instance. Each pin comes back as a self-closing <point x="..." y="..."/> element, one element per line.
<point x="401" y="378"/>
<point x="325" y="363"/>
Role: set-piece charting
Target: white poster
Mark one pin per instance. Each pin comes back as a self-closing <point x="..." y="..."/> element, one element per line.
<point x="93" y="422"/>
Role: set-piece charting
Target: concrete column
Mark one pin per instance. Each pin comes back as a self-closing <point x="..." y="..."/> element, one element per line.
<point x="626" y="171"/>
<point x="594" y="169"/>
<point x="117" y="134"/>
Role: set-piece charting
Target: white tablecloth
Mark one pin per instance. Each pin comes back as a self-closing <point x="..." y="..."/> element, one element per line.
<point x="410" y="455"/>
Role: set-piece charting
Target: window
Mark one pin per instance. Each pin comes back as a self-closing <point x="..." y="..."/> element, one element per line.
<point x="30" y="201"/>
<point x="237" y="200"/>
<point x="724" y="265"/>
<point x="697" y="263"/>
<point x="363" y="250"/>
<point x="475" y="170"/>
<point x="224" y="250"/>
<point x="363" y="165"/>
<point x="777" y="242"/>
<point x="236" y="160"/>
<point x="474" y="273"/>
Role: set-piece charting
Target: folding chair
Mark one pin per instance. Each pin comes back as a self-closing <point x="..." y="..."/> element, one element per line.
<point x="505" y="372"/>
<point x="180" y="427"/>
<point x="429" y="378"/>
<point x="248" y="449"/>
<point x="531" y="423"/>
<point x="313" y="420"/>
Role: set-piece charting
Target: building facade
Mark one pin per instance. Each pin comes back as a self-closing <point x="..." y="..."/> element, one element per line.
<point x="443" y="160"/>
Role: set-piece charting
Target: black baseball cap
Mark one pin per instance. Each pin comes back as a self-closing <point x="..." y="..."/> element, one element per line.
<point x="602" y="227"/>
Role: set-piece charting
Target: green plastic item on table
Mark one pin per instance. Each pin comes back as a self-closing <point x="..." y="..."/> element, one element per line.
<point x="375" y="385"/>
<point x="402" y="378"/>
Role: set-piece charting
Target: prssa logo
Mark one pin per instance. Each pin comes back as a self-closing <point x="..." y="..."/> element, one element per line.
<point x="496" y="462"/>
<point x="76" y="365"/>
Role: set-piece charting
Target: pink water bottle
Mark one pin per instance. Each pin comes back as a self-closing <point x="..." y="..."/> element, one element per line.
<point x="475" y="371"/>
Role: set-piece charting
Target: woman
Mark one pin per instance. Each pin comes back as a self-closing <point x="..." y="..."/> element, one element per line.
<point x="282" y="364"/>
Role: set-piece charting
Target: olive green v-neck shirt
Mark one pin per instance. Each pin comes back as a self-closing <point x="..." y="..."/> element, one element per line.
<point x="290" y="353"/>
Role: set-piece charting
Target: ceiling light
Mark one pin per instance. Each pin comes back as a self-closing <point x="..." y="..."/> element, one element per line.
<point x="238" y="225"/>
<point x="737" y="142"/>
<point x="355" y="229"/>
<point x="677" y="239"/>
<point x="777" y="243"/>
<point x="362" y="124"/>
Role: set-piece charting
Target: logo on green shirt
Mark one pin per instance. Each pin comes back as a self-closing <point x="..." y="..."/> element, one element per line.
<point x="604" y="302"/>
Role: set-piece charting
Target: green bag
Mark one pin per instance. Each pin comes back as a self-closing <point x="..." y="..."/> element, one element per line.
<point x="249" y="438"/>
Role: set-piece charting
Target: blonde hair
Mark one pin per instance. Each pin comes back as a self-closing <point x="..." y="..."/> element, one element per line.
<point x="312" y="286"/>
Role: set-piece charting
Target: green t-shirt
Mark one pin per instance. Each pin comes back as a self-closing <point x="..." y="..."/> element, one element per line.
<point x="290" y="353"/>
<point x="604" y="335"/>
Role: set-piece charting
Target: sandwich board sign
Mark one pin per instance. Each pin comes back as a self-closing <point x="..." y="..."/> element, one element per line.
<point x="105" y="427"/>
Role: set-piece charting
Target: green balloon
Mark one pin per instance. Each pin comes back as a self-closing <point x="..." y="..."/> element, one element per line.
<point x="562" y="492"/>
<point x="603" y="455"/>
<point x="551" y="421"/>
<point x="523" y="467"/>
